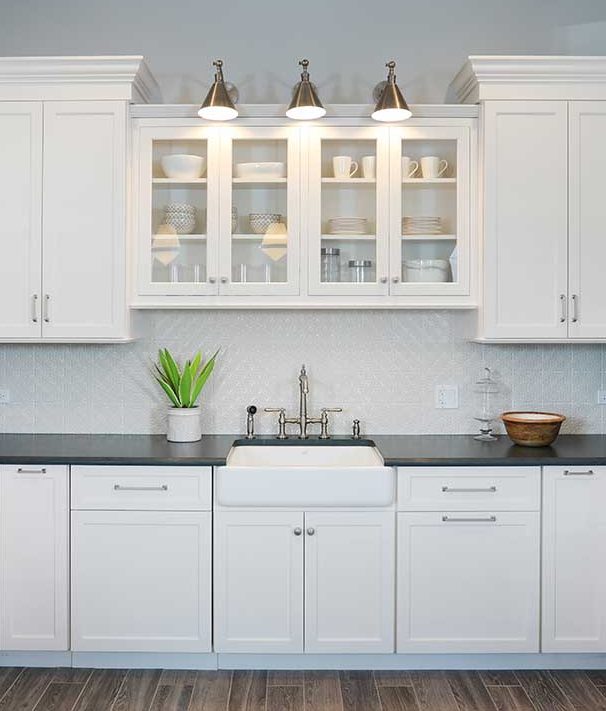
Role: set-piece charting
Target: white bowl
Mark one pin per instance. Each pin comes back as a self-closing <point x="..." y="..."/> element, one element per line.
<point x="183" y="166"/>
<point x="261" y="170"/>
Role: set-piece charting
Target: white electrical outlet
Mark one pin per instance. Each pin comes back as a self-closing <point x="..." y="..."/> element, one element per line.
<point x="447" y="397"/>
<point x="5" y="396"/>
<point x="601" y="397"/>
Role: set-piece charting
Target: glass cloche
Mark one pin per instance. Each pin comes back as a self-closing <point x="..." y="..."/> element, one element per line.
<point x="486" y="391"/>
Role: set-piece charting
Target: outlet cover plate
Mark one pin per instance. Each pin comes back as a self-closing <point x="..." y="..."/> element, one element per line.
<point x="5" y="396"/>
<point x="447" y="397"/>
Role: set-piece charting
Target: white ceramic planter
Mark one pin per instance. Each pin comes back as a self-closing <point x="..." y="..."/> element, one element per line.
<point x="184" y="424"/>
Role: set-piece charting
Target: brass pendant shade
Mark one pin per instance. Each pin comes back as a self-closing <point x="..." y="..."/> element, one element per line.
<point x="305" y="104"/>
<point x="391" y="105"/>
<point x="218" y="105"/>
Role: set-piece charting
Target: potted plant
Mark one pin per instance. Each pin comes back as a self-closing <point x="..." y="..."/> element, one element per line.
<point x="183" y="387"/>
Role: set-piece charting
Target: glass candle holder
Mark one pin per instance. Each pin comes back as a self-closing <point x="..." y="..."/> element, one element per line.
<point x="486" y="391"/>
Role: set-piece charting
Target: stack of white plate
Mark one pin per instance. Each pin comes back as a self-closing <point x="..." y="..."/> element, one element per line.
<point x="348" y="226"/>
<point x="421" y="225"/>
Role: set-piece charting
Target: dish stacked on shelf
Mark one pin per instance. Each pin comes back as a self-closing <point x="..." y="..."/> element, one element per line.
<point x="348" y="226"/>
<point x="424" y="225"/>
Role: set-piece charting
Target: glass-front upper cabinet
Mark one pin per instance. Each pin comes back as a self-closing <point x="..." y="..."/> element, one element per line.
<point x="260" y="211"/>
<point x="348" y="210"/>
<point x="430" y="210"/>
<point x="178" y="213"/>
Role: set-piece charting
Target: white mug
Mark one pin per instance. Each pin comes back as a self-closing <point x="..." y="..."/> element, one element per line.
<point x="409" y="167"/>
<point x="369" y="166"/>
<point x="344" y="166"/>
<point x="433" y="167"/>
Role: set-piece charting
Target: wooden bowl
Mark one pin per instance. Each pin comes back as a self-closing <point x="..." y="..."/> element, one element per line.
<point x="532" y="429"/>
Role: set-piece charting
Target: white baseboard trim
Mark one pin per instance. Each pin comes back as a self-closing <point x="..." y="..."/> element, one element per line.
<point x="143" y="660"/>
<point x="35" y="659"/>
<point x="412" y="661"/>
<point x="168" y="660"/>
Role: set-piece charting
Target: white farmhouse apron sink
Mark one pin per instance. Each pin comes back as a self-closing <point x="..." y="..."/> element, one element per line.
<point x="305" y="475"/>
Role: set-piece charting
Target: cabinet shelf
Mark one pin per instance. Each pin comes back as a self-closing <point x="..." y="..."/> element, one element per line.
<point x="178" y="181"/>
<point x="181" y="238"/>
<point x="429" y="238"/>
<point x="259" y="181"/>
<point x="349" y="181"/>
<point x="429" y="181"/>
<point x="350" y="238"/>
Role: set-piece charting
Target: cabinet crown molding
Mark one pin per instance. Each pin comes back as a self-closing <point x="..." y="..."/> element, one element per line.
<point x="56" y="78"/>
<point x="494" y="77"/>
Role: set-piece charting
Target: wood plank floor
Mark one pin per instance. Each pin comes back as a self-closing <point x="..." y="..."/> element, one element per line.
<point x="157" y="690"/>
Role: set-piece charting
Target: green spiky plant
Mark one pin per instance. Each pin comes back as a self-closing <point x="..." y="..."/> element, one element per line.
<point x="183" y="385"/>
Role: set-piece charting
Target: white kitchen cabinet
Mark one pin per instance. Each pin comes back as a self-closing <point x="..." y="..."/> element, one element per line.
<point x="63" y="179"/>
<point x="525" y="187"/>
<point x="258" y="582"/>
<point x="574" y="576"/>
<point x="141" y="581"/>
<point x="225" y="262"/>
<point x="468" y="582"/>
<point x="314" y="582"/>
<point x="84" y="220"/>
<point x="349" y="582"/>
<point x="21" y="226"/>
<point x="587" y="216"/>
<point x="34" y="558"/>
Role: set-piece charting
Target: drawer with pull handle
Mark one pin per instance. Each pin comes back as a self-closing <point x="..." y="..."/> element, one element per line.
<point x="469" y="488"/>
<point x="122" y="488"/>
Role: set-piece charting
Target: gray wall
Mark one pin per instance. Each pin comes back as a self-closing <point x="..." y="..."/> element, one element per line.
<point x="347" y="41"/>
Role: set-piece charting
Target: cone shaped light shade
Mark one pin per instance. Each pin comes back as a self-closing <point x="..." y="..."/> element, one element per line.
<point x="305" y="104"/>
<point x="391" y="106"/>
<point x="218" y="106"/>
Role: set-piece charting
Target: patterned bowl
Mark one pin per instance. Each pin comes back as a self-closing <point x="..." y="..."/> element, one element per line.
<point x="532" y="429"/>
<point x="260" y="221"/>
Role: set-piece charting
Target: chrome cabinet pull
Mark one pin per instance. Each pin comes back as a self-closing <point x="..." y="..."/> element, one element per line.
<point x="119" y="487"/>
<point x="311" y="531"/>
<point x="224" y="280"/>
<point x="454" y="490"/>
<point x="479" y="519"/>
<point x="35" y="308"/>
<point x="42" y="470"/>
<point x="564" y="308"/>
<point x="298" y="531"/>
<point x="47" y="308"/>
<point x="395" y="279"/>
<point x="575" y="308"/>
<point x="383" y="280"/>
<point x="212" y="280"/>
<point x="589" y="472"/>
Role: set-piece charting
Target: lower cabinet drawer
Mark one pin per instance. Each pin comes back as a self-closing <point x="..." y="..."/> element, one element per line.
<point x="141" y="581"/>
<point x="468" y="582"/>
<point x="469" y="488"/>
<point x="141" y="488"/>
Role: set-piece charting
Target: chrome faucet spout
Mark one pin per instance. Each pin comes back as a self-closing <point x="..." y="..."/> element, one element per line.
<point x="303" y="380"/>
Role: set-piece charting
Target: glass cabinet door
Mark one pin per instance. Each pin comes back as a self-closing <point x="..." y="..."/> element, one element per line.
<point x="260" y="211"/>
<point x="178" y="210"/>
<point x="348" y="205"/>
<point x="430" y="211"/>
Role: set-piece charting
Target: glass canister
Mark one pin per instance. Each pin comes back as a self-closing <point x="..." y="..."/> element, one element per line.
<point x="360" y="270"/>
<point x="330" y="264"/>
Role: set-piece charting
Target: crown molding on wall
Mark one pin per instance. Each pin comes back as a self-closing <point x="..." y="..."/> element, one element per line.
<point x="343" y="112"/>
<point x="57" y="78"/>
<point x="488" y="77"/>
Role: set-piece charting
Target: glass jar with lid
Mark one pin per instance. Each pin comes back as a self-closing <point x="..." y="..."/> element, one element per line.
<point x="360" y="270"/>
<point x="330" y="264"/>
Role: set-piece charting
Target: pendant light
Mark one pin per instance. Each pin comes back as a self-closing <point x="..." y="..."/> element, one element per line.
<point x="305" y="104"/>
<point x="219" y="102"/>
<point x="391" y="105"/>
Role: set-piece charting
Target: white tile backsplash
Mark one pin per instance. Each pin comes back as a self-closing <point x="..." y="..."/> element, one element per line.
<point x="380" y="366"/>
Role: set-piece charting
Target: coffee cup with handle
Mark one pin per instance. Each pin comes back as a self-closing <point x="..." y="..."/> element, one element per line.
<point x="344" y="167"/>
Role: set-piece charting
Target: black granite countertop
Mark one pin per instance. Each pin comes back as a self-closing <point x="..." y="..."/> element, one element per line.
<point x="397" y="450"/>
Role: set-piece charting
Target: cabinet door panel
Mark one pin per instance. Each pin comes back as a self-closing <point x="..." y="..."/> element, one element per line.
<point x="35" y="519"/>
<point x="258" y="582"/>
<point x="468" y="582"/>
<point x="84" y="218"/>
<point x="574" y="577"/>
<point x="20" y="227"/>
<point x="349" y="582"/>
<point x="525" y="219"/>
<point x="141" y="581"/>
<point x="587" y="250"/>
